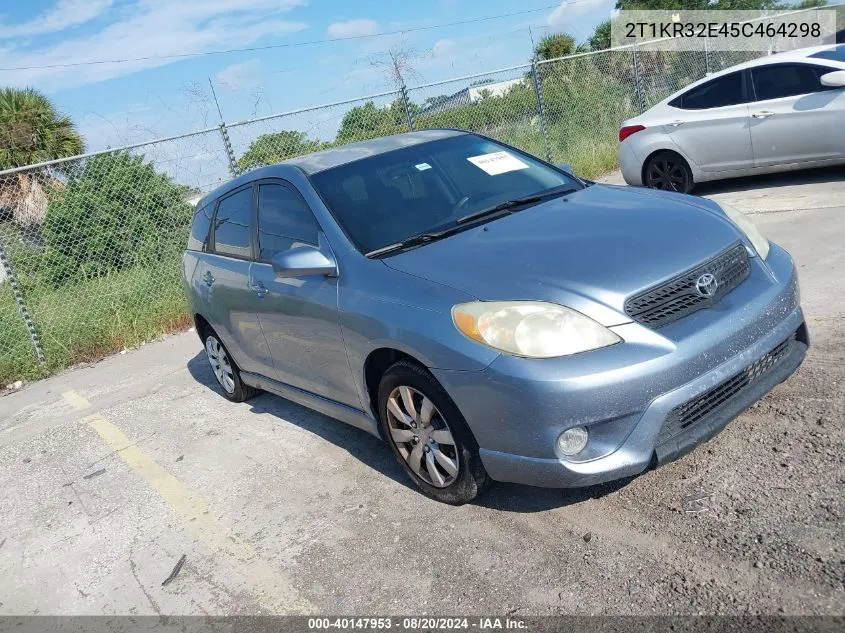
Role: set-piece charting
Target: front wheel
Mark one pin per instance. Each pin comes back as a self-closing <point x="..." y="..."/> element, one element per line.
<point x="429" y="436"/>
<point x="668" y="171"/>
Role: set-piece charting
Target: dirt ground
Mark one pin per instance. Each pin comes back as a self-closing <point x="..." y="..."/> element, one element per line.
<point x="111" y="473"/>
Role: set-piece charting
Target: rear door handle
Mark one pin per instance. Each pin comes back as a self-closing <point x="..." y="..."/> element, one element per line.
<point x="208" y="278"/>
<point x="765" y="114"/>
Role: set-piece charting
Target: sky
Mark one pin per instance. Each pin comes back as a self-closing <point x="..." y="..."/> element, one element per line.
<point x="48" y="44"/>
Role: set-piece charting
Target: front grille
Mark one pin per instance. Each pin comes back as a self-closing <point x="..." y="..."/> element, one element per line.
<point x="679" y="296"/>
<point x="686" y="415"/>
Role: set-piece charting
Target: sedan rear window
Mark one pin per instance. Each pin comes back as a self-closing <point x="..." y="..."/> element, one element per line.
<point x="427" y="187"/>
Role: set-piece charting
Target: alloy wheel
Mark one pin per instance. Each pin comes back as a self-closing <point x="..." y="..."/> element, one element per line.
<point x="220" y="364"/>
<point x="666" y="174"/>
<point x="422" y="437"/>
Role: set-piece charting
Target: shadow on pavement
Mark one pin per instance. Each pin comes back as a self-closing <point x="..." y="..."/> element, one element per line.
<point x="376" y="454"/>
<point x="360" y="444"/>
<point x="767" y="181"/>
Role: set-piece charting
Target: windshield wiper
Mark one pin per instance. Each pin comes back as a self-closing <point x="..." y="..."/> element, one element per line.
<point x="512" y="205"/>
<point x="412" y="241"/>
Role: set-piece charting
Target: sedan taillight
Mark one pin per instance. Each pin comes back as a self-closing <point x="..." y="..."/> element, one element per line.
<point x="626" y="131"/>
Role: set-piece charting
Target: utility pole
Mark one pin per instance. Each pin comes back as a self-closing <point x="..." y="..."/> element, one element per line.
<point x="224" y="134"/>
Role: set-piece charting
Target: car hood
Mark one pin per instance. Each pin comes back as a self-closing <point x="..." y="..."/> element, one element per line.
<point x="589" y="250"/>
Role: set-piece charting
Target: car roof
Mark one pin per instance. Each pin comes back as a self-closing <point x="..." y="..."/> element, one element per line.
<point x="337" y="156"/>
<point x="809" y="55"/>
<point x="334" y="157"/>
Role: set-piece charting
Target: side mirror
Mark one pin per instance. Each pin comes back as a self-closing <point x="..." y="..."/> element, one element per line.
<point x="835" y="79"/>
<point x="566" y="167"/>
<point x="305" y="260"/>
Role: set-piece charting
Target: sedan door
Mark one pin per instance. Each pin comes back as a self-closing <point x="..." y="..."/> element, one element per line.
<point x="224" y="280"/>
<point x="794" y="118"/>
<point x="299" y="315"/>
<point x="709" y="123"/>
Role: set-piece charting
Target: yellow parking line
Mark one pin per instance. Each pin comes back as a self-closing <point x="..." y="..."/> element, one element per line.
<point x="273" y="590"/>
<point x="75" y="400"/>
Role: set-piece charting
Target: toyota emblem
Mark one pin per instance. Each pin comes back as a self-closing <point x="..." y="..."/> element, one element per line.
<point x="706" y="285"/>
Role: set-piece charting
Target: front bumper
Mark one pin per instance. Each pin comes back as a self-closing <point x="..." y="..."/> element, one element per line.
<point x="625" y="394"/>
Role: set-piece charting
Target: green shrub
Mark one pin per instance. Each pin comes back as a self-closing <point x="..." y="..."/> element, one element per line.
<point x="116" y="212"/>
<point x="268" y="149"/>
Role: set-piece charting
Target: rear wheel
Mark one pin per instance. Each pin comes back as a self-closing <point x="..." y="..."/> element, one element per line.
<point x="668" y="171"/>
<point x="429" y="436"/>
<point x="225" y="370"/>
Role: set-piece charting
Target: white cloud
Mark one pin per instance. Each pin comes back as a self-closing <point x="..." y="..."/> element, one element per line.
<point x="353" y="28"/>
<point x="240" y="76"/>
<point x="563" y="15"/>
<point x="149" y="28"/>
<point x="64" y="15"/>
<point x="443" y="48"/>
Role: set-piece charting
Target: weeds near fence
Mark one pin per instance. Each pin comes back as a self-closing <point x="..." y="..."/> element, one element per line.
<point x="124" y="314"/>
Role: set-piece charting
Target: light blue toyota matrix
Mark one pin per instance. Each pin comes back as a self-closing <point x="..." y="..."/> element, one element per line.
<point x="489" y="315"/>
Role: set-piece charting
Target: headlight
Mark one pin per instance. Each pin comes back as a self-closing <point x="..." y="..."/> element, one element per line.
<point x="760" y="243"/>
<point x="530" y="328"/>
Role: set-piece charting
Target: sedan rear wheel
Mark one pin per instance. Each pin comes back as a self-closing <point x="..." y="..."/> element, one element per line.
<point x="669" y="172"/>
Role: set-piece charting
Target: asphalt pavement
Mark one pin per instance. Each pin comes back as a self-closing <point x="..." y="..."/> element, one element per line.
<point x="114" y="473"/>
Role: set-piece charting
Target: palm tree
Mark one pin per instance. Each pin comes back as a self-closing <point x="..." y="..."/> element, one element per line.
<point x="31" y="131"/>
<point x="554" y="46"/>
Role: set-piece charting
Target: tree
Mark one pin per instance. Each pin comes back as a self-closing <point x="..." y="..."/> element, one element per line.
<point x="600" y="39"/>
<point x="555" y="45"/>
<point x="116" y="212"/>
<point x="276" y="147"/>
<point x="31" y="131"/>
<point x="369" y="121"/>
<point x="697" y="5"/>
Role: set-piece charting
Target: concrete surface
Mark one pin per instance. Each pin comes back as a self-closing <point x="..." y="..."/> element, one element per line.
<point x="113" y="472"/>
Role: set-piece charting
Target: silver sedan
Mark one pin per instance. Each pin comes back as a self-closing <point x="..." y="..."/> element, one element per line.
<point x="776" y="113"/>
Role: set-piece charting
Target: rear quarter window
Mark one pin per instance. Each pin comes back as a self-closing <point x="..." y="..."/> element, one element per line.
<point x="198" y="240"/>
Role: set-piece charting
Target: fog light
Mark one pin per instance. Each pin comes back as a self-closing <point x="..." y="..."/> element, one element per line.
<point x="573" y="441"/>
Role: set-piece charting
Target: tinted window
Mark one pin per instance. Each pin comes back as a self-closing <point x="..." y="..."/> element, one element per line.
<point x="198" y="240"/>
<point x="392" y="196"/>
<point x="837" y="53"/>
<point x="786" y="80"/>
<point x="284" y="221"/>
<point x="233" y="224"/>
<point x="720" y="92"/>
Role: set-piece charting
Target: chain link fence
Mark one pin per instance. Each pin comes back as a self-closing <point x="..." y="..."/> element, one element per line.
<point x="90" y="246"/>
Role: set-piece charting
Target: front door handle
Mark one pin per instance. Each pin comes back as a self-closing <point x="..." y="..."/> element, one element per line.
<point x="765" y="114"/>
<point x="676" y="123"/>
<point x="260" y="289"/>
<point x="208" y="278"/>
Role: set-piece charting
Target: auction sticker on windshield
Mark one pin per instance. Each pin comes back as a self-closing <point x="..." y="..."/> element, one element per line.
<point x="497" y="163"/>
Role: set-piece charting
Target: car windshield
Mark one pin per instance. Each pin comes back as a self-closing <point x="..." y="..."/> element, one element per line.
<point x="429" y="187"/>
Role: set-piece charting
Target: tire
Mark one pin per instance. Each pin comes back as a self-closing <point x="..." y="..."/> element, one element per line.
<point x="668" y="171"/>
<point x="448" y="466"/>
<point x="225" y="370"/>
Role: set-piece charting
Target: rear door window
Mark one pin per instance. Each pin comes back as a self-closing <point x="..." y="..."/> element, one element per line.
<point x="720" y="92"/>
<point x="233" y="224"/>
<point x="787" y="80"/>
